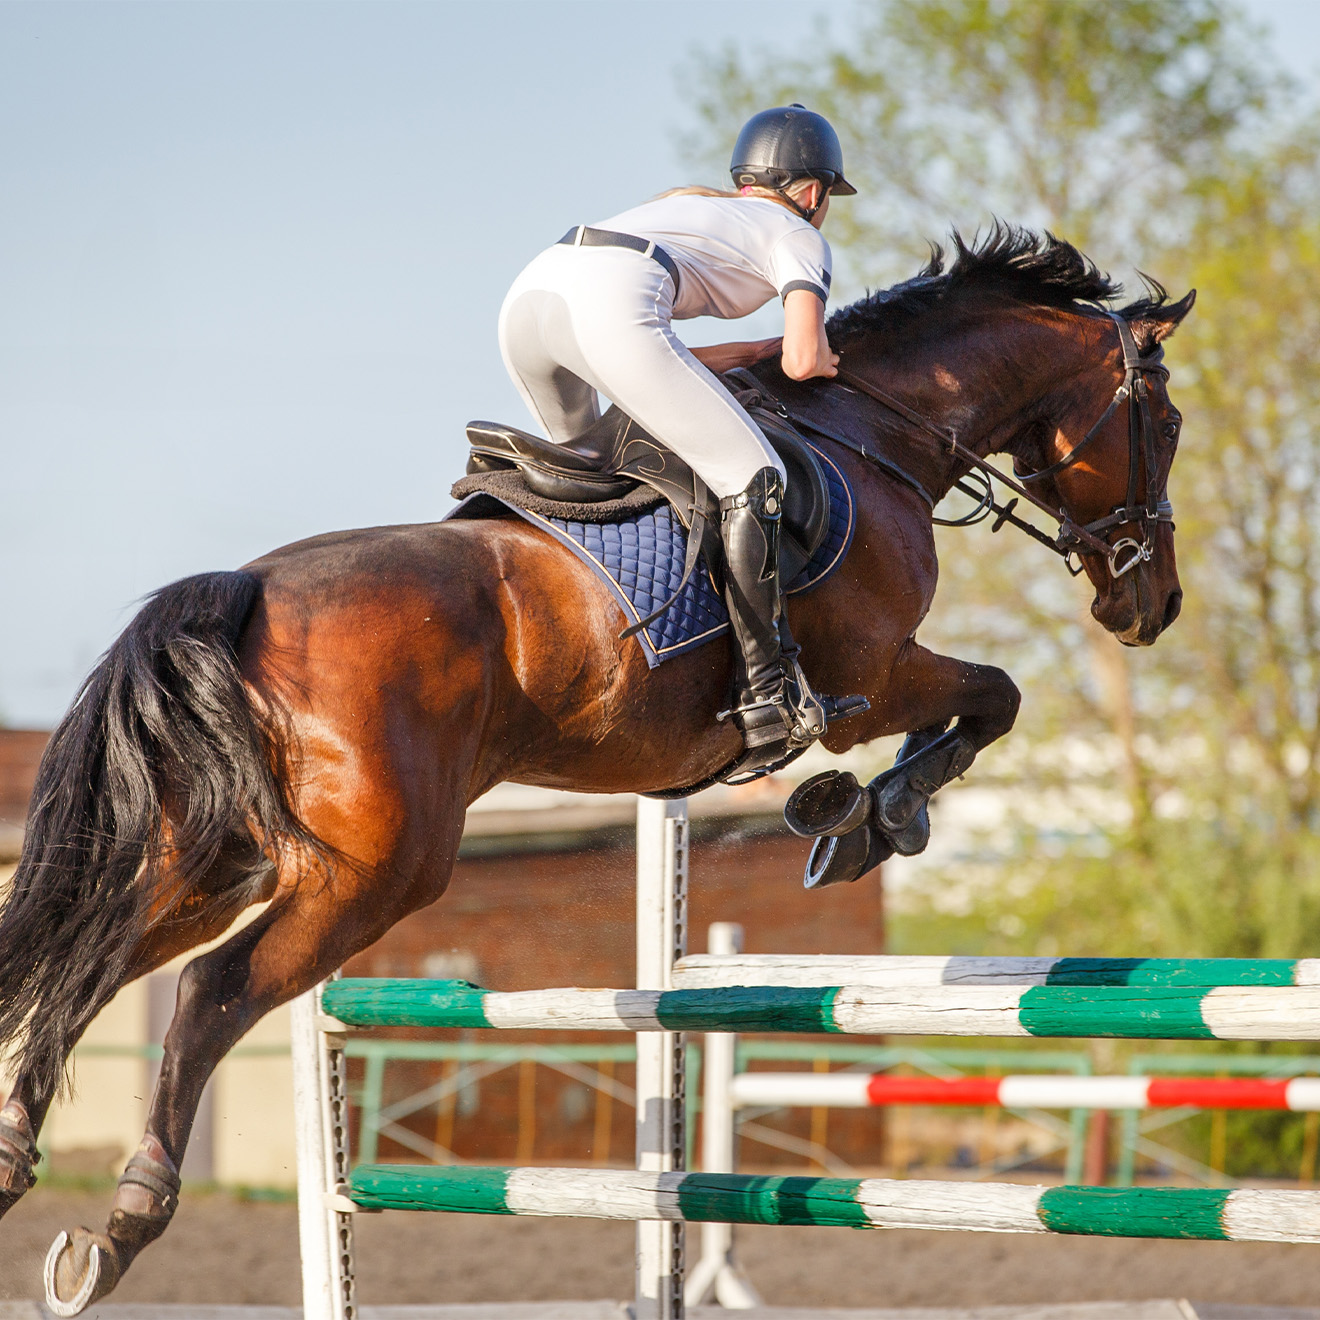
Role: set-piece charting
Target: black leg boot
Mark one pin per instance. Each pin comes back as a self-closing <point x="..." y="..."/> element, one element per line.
<point x="749" y="526"/>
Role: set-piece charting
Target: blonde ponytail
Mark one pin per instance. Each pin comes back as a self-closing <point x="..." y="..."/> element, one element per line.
<point x="751" y="190"/>
<point x="696" y="190"/>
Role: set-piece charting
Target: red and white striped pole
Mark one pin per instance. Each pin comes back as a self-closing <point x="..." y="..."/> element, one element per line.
<point x="844" y="1090"/>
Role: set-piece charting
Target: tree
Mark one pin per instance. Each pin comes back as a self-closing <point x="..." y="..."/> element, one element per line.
<point x="1090" y="120"/>
<point x="1150" y="133"/>
<point x="1254" y="507"/>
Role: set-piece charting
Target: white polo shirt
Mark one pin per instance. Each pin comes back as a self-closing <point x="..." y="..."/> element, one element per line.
<point x="733" y="253"/>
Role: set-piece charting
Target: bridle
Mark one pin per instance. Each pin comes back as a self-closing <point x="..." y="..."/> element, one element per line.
<point x="1157" y="507"/>
<point x="1123" y="555"/>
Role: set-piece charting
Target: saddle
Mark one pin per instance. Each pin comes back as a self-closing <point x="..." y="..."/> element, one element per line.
<point x="615" y="457"/>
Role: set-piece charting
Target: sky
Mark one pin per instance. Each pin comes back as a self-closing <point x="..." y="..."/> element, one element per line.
<point x="252" y="255"/>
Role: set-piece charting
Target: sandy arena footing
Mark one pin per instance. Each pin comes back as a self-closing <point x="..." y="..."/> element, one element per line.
<point x="1180" y="1309"/>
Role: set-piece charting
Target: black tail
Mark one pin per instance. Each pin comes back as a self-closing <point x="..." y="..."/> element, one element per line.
<point x="163" y="723"/>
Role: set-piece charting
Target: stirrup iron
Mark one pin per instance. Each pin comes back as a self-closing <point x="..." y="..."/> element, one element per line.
<point x="809" y="714"/>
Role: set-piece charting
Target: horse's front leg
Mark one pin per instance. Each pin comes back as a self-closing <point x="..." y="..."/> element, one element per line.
<point x="937" y="689"/>
<point x="857" y="828"/>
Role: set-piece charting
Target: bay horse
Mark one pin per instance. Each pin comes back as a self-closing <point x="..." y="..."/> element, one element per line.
<point x="308" y="731"/>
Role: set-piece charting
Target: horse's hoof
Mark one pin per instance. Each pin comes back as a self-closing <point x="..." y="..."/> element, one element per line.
<point x="79" y="1270"/>
<point x="896" y="804"/>
<point x="841" y="859"/>
<point x="830" y="803"/>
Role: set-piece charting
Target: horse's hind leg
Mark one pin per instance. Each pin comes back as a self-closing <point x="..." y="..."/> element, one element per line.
<point x="24" y="1111"/>
<point x="21" y="1118"/>
<point x="311" y="928"/>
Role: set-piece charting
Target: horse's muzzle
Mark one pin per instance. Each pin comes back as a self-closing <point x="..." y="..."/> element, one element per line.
<point x="1135" y="610"/>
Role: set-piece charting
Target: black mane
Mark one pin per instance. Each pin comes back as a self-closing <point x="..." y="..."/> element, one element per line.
<point x="1008" y="262"/>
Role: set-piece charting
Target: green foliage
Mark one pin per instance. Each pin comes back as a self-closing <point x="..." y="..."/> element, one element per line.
<point x="1165" y="801"/>
<point x="1196" y="888"/>
<point x="1087" y="119"/>
<point x="1256" y="1145"/>
<point x="1250" y="476"/>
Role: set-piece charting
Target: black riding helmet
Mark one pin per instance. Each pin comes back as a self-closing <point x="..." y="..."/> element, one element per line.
<point x="787" y="143"/>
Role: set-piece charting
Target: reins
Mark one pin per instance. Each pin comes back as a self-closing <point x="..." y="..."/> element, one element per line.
<point x="1123" y="555"/>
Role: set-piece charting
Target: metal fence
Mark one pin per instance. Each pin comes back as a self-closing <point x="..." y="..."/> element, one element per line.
<point x="465" y="1065"/>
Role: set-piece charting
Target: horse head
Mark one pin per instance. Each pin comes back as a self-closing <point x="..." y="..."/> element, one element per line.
<point x="1013" y="348"/>
<point x="1103" y="459"/>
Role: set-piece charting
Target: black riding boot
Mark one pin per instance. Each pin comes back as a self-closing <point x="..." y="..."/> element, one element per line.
<point x="775" y="709"/>
<point x="749" y="525"/>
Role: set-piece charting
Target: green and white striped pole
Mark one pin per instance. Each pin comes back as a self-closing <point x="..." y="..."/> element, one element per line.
<point x="1144" y="1009"/>
<point x="704" y="971"/>
<point x="1245" y="1215"/>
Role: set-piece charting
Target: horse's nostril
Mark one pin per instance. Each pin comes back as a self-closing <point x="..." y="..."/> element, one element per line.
<point x="1174" y="607"/>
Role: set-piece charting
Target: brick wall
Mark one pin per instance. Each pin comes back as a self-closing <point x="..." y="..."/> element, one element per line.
<point x="20" y="751"/>
<point x="566" y="918"/>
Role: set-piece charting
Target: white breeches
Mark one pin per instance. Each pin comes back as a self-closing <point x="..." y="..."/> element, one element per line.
<point x="584" y="319"/>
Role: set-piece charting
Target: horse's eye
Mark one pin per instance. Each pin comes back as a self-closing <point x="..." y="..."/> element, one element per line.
<point x="1172" y="428"/>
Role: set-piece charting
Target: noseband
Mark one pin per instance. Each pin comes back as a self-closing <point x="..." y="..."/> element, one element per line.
<point x="1124" y="554"/>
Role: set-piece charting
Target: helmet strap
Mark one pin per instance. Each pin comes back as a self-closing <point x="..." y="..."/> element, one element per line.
<point x="807" y="215"/>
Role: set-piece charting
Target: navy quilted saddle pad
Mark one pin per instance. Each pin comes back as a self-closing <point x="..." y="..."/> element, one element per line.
<point x="640" y="561"/>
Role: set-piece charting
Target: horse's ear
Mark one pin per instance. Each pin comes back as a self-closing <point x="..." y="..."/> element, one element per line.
<point x="1156" y="325"/>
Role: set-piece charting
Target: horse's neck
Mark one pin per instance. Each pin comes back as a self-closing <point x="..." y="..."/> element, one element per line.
<point x="984" y="388"/>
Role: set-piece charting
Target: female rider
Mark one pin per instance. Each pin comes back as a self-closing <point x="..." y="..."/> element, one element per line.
<point x="593" y="314"/>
